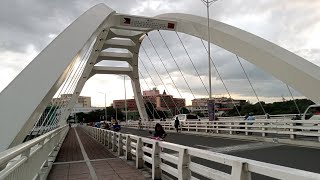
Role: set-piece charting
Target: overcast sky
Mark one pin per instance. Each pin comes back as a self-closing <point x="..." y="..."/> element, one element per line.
<point x="29" y="26"/>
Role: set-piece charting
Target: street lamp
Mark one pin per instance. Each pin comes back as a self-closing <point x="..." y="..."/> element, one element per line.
<point x="208" y="3"/>
<point x="125" y="97"/>
<point x="105" y="105"/>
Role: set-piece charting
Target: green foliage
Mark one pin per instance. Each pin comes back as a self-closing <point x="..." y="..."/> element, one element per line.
<point x="153" y="112"/>
<point x="286" y="107"/>
<point x="184" y="110"/>
<point x="98" y="115"/>
<point x="200" y="114"/>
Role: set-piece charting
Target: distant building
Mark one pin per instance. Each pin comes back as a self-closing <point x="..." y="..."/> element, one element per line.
<point x="83" y="104"/>
<point x="82" y="101"/>
<point x="222" y="105"/>
<point x="161" y="101"/>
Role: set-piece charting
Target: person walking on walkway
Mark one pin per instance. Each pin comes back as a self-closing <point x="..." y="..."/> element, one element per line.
<point x="140" y="124"/>
<point x="177" y="124"/>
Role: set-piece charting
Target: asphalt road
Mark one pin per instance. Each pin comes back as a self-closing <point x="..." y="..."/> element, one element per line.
<point x="303" y="158"/>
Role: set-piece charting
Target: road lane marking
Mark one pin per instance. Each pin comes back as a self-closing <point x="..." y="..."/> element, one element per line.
<point x="237" y="148"/>
<point x="86" y="158"/>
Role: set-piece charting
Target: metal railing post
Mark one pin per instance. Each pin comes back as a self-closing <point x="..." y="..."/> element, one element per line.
<point x="114" y="142"/>
<point x="105" y="142"/>
<point x="292" y="130"/>
<point x="264" y="129"/>
<point x="139" y="154"/>
<point x="120" y="145"/>
<point x="231" y="127"/>
<point x="156" y="160"/>
<point x="246" y="128"/>
<point x="240" y="171"/>
<point x="217" y="127"/>
<point x="183" y="164"/>
<point x="109" y="139"/>
<point x="128" y="147"/>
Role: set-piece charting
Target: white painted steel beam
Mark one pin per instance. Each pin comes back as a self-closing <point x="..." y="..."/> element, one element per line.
<point x="116" y="56"/>
<point x="119" y="43"/>
<point x="293" y="70"/>
<point x="31" y="91"/>
<point x="110" y="70"/>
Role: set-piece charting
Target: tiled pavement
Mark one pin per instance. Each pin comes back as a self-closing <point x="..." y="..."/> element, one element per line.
<point x="71" y="164"/>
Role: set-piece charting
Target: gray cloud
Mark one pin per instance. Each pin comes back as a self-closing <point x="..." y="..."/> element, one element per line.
<point x="290" y="24"/>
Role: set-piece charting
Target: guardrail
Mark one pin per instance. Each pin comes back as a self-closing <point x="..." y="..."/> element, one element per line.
<point x="32" y="159"/>
<point x="180" y="161"/>
<point x="260" y="127"/>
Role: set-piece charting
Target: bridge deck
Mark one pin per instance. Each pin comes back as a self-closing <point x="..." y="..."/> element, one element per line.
<point x="81" y="157"/>
<point x="303" y="158"/>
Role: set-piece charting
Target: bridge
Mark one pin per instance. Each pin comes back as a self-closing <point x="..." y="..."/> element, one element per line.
<point x="41" y="145"/>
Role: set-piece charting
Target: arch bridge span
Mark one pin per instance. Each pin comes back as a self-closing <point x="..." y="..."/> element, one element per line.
<point x="101" y="28"/>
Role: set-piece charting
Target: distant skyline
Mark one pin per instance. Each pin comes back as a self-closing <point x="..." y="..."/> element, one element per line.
<point x="27" y="28"/>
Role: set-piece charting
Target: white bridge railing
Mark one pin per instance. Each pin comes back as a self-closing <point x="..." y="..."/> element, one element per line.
<point x="260" y="127"/>
<point x="32" y="159"/>
<point x="180" y="161"/>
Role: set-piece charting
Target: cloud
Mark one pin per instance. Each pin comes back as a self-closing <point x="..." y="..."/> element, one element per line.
<point x="27" y="27"/>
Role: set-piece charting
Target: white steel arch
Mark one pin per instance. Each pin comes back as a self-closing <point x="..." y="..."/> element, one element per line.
<point x="26" y="97"/>
<point x="288" y="67"/>
<point x="106" y="29"/>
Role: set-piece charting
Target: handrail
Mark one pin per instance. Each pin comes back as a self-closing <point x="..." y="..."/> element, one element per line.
<point x="13" y="152"/>
<point x="262" y="127"/>
<point x="16" y="161"/>
<point x="241" y="168"/>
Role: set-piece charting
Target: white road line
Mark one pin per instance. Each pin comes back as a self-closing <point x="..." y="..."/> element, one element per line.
<point x="69" y="162"/>
<point x="91" y="160"/>
<point x="242" y="147"/>
<point x="86" y="158"/>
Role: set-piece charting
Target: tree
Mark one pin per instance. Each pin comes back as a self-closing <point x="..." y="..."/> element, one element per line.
<point x="286" y="107"/>
<point x="184" y="110"/>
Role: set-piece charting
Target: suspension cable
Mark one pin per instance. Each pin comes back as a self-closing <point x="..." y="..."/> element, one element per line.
<point x="225" y="86"/>
<point x="176" y="65"/>
<point x="158" y="76"/>
<point x="75" y="77"/>
<point x="185" y="49"/>
<point x="148" y="97"/>
<point x="166" y="71"/>
<point x="155" y="83"/>
<point x="70" y="69"/>
<point x="294" y="100"/>
<point x="250" y="84"/>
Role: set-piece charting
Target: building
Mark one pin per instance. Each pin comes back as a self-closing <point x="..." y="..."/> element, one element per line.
<point x="162" y="102"/>
<point x="222" y="105"/>
<point x="82" y="101"/>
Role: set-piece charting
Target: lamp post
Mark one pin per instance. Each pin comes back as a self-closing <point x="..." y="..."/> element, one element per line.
<point x="208" y="3"/>
<point x="105" y="105"/>
<point x="125" y="98"/>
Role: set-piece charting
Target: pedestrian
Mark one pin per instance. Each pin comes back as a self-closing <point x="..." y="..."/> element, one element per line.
<point x="250" y="119"/>
<point x="140" y="124"/>
<point x="177" y="124"/>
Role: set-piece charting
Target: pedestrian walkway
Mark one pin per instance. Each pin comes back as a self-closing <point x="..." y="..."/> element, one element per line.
<point x="82" y="158"/>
